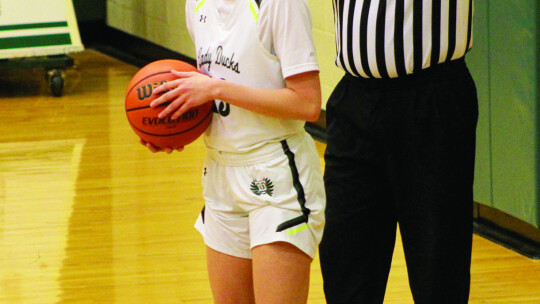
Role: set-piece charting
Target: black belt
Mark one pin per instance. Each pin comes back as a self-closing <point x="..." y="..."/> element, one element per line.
<point x="442" y="70"/>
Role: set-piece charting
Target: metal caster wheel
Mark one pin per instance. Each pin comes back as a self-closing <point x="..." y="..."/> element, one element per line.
<point x="55" y="79"/>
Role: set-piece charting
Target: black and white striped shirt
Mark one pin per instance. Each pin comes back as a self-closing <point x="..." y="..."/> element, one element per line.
<point x="392" y="38"/>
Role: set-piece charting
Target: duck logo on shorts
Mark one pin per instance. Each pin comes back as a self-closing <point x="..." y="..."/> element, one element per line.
<point x="264" y="186"/>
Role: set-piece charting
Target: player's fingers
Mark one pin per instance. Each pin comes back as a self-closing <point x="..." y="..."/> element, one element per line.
<point x="181" y="110"/>
<point x="169" y="85"/>
<point x="172" y="107"/>
<point x="182" y="74"/>
<point x="180" y="149"/>
<point x="156" y="102"/>
<point x="167" y="97"/>
<point x="153" y="148"/>
<point x="146" y="144"/>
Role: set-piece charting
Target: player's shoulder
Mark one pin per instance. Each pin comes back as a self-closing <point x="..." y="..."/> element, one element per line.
<point x="261" y="2"/>
<point x="192" y="4"/>
<point x="281" y="4"/>
<point x="279" y="9"/>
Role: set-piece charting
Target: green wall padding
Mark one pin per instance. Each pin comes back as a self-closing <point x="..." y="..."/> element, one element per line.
<point x="504" y="63"/>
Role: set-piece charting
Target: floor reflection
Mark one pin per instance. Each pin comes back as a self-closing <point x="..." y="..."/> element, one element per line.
<point x="37" y="182"/>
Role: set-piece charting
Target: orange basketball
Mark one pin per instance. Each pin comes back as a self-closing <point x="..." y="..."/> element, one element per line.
<point x="163" y="132"/>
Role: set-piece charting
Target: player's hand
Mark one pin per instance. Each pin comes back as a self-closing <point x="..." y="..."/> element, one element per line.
<point x="191" y="89"/>
<point x="155" y="149"/>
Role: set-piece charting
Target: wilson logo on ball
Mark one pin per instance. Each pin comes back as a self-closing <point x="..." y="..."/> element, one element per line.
<point x="146" y="90"/>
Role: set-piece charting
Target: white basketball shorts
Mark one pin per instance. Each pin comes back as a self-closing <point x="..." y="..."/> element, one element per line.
<point x="273" y="195"/>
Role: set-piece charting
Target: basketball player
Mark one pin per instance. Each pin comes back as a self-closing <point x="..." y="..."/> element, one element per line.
<point x="263" y="186"/>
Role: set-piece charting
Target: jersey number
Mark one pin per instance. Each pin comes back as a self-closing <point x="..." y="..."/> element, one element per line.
<point x="223" y="109"/>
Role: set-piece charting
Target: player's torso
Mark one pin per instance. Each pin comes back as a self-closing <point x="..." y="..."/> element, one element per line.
<point x="229" y="48"/>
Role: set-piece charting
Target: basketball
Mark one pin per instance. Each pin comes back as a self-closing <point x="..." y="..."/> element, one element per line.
<point x="163" y="132"/>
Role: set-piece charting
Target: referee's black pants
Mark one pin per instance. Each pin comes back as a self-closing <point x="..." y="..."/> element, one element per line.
<point x="400" y="151"/>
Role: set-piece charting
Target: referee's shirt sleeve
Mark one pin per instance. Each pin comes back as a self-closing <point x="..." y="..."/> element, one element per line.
<point x="285" y="29"/>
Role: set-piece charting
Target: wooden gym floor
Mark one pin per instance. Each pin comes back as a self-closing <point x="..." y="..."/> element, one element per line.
<point x="88" y="215"/>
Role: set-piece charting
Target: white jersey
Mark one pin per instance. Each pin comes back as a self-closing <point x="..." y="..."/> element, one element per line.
<point x="230" y="48"/>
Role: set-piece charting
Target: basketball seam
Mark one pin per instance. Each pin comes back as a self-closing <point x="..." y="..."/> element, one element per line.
<point x="146" y="107"/>
<point x="173" y="134"/>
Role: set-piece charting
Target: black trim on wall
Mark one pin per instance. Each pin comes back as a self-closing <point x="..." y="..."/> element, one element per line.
<point x="128" y="48"/>
<point x="507" y="231"/>
<point x="507" y="238"/>
<point x="91" y="17"/>
<point x="90" y="10"/>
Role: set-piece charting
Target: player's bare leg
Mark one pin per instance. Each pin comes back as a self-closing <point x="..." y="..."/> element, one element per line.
<point x="230" y="278"/>
<point x="280" y="274"/>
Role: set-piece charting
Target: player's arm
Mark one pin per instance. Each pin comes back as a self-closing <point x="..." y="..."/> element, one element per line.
<point x="299" y="100"/>
<point x="288" y="25"/>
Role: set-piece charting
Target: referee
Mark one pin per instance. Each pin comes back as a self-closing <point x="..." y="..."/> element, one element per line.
<point x="401" y="141"/>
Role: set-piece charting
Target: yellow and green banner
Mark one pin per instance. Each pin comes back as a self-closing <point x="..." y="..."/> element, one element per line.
<point x="36" y="28"/>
